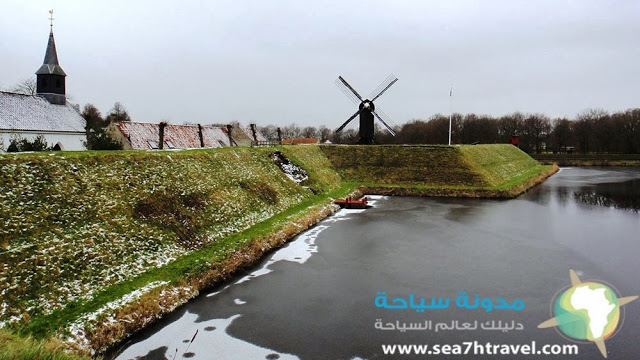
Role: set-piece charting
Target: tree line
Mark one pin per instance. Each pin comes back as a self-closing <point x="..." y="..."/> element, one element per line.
<point x="593" y="130"/>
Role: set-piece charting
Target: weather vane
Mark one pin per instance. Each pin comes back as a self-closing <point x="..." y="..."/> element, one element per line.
<point x="51" y="18"/>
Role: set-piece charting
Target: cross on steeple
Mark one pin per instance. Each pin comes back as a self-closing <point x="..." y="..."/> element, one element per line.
<point x="51" y="19"/>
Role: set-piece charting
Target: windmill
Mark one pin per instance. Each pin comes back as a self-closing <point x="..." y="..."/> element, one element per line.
<point x="366" y="108"/>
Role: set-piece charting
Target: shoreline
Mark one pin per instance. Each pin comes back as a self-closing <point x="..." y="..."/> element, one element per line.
<point x="509" y="193"/>
<point x="567" y="160"/>
<point x="132" y="318"/>
<point x="98" y="324"/>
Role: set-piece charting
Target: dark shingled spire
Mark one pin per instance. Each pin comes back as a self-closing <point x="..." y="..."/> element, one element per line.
<point x="50" y="65"/>
<point x="50" y="82"/>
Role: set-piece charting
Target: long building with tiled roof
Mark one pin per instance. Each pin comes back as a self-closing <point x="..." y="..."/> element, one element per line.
<point x="146" y="136"/>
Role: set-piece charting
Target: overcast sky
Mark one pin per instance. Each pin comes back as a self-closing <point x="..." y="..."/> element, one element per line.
<point x="275" y="62"/>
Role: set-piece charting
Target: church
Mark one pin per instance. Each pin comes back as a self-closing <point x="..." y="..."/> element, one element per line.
<point x="48" y="113"/>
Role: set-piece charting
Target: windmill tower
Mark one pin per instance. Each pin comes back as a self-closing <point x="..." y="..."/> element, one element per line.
<point x="366" y="108"/>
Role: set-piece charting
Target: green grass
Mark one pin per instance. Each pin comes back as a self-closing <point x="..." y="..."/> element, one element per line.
<point x="13" y="347"/>
<point x="451" y="169"/>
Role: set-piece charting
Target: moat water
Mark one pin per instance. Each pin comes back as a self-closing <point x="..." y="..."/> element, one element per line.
<point x="321" y="296"/>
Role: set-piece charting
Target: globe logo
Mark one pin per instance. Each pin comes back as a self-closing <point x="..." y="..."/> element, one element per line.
<point x="587" y="311"/>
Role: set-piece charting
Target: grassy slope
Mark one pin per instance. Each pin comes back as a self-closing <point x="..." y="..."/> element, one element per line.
<point x="503" y="166"/>
<point x="69" y="226"/>
<point x="478" y="170"/>
<point x="402" y="165"/>
<point x="73" y="239"/>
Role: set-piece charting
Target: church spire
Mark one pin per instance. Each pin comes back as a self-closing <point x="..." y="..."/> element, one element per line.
<point x="50" y="76"/>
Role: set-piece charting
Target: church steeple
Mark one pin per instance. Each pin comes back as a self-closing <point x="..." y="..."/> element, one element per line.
<point x="50" y="76"/>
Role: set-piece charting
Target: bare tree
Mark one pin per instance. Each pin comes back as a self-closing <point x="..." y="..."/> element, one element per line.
<point x="325" y="133"/>
<point x="310" y="132"/>
<point x="270" y="132"/>
<point x="630" y="120"/>
<point x="26" y="87"/>
<point x="561" y="135"/>
<point x="291" y="131"/>
<point x="510" y="125"/>
<point x="536" y="131"/>
<point x="118" y="113"/>
<point x="604" y="130"/>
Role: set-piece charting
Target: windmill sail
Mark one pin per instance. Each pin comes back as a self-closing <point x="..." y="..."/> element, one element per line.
<point x="367" y="109"/>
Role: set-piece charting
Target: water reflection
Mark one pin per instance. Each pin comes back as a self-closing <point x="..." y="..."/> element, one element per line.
<point x="622" y="195"/>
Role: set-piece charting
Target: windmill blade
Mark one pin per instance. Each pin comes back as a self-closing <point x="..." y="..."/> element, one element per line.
<point x="385" y="89"/>
<point x="386" y="84"/>
<point x="347" y="122"/>
<point x="385" y="124"/>
<point x="345" y="83"/>
<point x="386" y="118"/>
<point x="382" y="85"/>
<point x="347" y="92"/>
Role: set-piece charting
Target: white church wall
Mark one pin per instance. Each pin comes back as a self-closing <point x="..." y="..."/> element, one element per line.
<point x="68" y="141"/>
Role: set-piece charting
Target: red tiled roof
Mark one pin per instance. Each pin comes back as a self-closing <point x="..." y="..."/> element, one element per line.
<point x="145" y="136"/>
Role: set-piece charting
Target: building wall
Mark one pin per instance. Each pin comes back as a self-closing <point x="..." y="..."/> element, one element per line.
<point x="115" y="133"/>
<point x="68" y="141"/>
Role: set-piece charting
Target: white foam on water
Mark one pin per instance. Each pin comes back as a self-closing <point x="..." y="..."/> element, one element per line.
<point x="239" y="302"/>
<point x="302" y="248"/>
<point x="211" y="342"/>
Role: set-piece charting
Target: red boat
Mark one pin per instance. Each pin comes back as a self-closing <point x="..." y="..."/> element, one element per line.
<point x="350" y="203"/>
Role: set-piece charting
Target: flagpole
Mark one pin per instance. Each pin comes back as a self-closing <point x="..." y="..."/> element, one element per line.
<point x="450" y="111"/>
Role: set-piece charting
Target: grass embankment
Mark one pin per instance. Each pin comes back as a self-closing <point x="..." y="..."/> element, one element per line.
<point x="496" y="171"/>
<point x="589" y="159"/>
<point x="94" y="246"/>
<point x="90" y="240"/>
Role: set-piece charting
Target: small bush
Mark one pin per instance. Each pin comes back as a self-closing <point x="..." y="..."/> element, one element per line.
<point x="19" y="144"/>
<point x="98" y="139"/>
